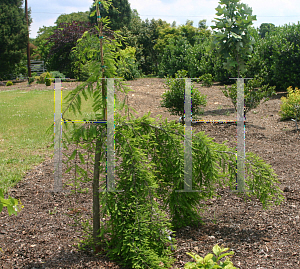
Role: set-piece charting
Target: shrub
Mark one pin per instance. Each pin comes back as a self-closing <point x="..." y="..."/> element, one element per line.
<point x="48" y="79"/>
<point x="173" y="99"/>
<point x="211" y="261"/>
<point x="207" y="80"/>
<point x="290" y="107"/>
<point x="254" y="93"/>
<point x="30" y="80"/>
<point x="9" y="83"/>
<point x="43" y="78"/>
<point x="57" y="74"/>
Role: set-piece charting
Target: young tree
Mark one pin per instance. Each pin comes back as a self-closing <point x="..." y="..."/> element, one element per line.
<point x="232" y="39"/>
<point x="13" y="35"/>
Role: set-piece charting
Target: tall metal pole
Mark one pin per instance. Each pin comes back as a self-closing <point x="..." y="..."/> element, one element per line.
<point x="96" y="203"/>
<point x="28" y="48"/>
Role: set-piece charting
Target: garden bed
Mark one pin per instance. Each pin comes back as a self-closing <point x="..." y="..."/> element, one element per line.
<point x="41" y="236"/>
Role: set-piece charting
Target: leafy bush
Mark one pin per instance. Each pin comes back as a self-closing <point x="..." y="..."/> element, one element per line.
<point x="173" y="99"/>
<point x="9" y="83"/>
<point x="42" y="78"/>
<point x="254" y="93"/>
<point x="210" y="261"/>
<point x="207" y="80"/>
<point x="57" y="74"/>
<point x="48" y="79"/>
<point x="31" y="80"/>
<point x="290" y="107"/>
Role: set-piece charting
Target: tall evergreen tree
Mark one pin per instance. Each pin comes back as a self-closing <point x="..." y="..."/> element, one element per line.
<point x="119" y="14"/>
<point x="13" y="36"/>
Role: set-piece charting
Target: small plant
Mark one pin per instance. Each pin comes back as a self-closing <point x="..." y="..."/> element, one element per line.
<point x="207" y="80"/>
<point x="290" y="106"/>
<point x="9" y="83"/>
<point x="13" y="205"/>
<point x="48" y="79"/>
<point x="173" y="99"/>
<point x="254" y="93"/>
<point x="210" y="260"/>
<point x="30" y="80"/>
<point x="53" y="212"/>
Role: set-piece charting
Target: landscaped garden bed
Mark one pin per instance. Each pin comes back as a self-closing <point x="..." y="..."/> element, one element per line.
<point x="41" y="236"/>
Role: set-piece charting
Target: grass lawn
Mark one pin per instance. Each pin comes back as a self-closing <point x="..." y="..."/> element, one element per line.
<point x="25" y="116"/>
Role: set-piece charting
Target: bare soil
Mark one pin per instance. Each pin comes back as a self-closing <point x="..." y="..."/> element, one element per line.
<point x="42" y="235"/>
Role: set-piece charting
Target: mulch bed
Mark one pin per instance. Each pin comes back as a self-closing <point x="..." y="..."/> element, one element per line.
<point x="43" y="235"/>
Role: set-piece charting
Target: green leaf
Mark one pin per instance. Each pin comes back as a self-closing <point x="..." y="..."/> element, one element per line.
<point x="73" y="155"/>
<point x="225" y="254"/>
<point x="208" y="257"/>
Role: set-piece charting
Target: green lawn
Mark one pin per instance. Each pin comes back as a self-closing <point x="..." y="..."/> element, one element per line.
<point x="24" y="119"/>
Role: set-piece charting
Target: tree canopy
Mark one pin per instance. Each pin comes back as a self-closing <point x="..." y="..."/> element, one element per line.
<point x="75" y="16"/>
<point x="119" y="14"/>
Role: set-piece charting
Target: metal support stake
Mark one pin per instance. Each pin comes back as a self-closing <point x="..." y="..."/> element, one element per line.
<point x="110" y="136"/>
<point x="240" y="136"/>
<point x="188" y="160"/>
<point x="57" y="136"/>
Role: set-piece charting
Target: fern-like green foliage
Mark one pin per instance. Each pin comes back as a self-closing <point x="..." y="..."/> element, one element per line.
<point x="150" y="155"/>
<point x="137" y="219"/>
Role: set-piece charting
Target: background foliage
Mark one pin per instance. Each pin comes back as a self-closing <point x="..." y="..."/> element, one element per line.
<point x="13" y="37"/>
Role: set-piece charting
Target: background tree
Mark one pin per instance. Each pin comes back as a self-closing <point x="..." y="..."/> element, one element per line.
<point x="182" y="48"/>
<point x="42" y="43"/>
<point x="232" y="39"/>
<point x="147" y="38"/>
<point x="75" y="16"/>
<point x="202" y="24"/>
<point x="266" y="28"/>
<point x="13" y="36"/>
<point x="276" y="57"/>
<point x="119" y="14"/>
<point x="62" y="41"/>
